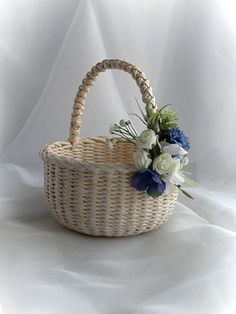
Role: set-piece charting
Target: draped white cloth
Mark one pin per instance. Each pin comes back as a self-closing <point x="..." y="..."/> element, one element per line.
<point x="187" y="49"/>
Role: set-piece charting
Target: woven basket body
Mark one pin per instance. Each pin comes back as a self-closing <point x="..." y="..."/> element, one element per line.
<point x="87" y="185"/>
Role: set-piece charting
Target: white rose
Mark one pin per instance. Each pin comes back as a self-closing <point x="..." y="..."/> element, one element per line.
<point x="163" y="164"/>
<point x="146" y="139"/>
<point x="141" y="159"/>
<point x="174" y="177"/>
<point x="173" y="149"/>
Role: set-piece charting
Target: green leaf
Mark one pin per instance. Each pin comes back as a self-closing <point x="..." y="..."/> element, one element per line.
<point x="151" y="120"/>
<point x="166" y="116"/>
<point x="187" y="194"/>
<point x="156" y="150"/>
<point x="190" y="182"/>
<point x="164" y="107"/>
<point x="171" y="124"/>
<point x="153" y="194"/>
<point x="184" y="192"/>
<point x="136" y="115"/>
<point x="152" y="123"/>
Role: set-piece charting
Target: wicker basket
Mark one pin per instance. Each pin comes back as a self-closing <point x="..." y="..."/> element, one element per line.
<point x="87" y="185"/>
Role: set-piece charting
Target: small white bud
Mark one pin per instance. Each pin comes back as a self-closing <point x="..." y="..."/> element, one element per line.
<point x="122" y="123"/>
<point x="113" y="128"/>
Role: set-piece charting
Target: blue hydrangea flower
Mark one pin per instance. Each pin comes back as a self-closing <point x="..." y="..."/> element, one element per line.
<point x="149" y="181"/>
<point x="177" y="136"/>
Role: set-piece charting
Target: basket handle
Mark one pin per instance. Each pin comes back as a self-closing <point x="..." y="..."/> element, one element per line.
<point x="79" y="102"/>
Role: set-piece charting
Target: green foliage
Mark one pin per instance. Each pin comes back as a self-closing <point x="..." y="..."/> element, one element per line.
<point x="190" y="182"/>
<point x="153" y="193"/>
<point x="152" y="123"/>
<point x="159" y="121"/>
<point x="163" y="119"/>
<point x="167" y="118"/>
<point x="136" y="115"/>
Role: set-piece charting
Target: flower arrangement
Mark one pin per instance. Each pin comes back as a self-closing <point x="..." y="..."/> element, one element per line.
<point x="161" y="153"/>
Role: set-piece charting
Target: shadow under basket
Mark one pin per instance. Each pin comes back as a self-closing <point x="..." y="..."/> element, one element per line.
<point x="87" y="185"/>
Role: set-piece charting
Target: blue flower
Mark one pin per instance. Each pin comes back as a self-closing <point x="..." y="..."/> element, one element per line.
<point x="177" y="136"/>
<point x="141" y="180"/>
<point x="149" y="181"/>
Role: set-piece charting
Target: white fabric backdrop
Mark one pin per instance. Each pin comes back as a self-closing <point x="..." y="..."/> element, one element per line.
<point x="187" y="49"/>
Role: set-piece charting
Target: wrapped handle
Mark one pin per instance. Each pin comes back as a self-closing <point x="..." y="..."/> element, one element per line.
<point x="79" y="102"/>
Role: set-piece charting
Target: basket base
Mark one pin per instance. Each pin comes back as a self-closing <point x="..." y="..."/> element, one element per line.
<point x="112" y="233"/>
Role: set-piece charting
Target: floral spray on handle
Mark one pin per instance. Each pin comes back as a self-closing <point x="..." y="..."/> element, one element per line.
<point x="161" y="153"/>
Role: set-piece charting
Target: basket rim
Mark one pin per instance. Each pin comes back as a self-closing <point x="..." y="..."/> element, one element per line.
<point x="46" y="154"/>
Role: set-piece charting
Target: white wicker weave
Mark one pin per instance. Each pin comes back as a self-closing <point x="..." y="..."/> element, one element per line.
<point x="87" y="185"/>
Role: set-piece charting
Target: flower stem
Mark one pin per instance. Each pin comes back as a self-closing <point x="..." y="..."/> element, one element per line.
<point x="184" y="192"/>
<point x="125" y="137"/>
<point x="122" y="130"/>
<point x="132" y="129"/>
<point x="136" y="115"/>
